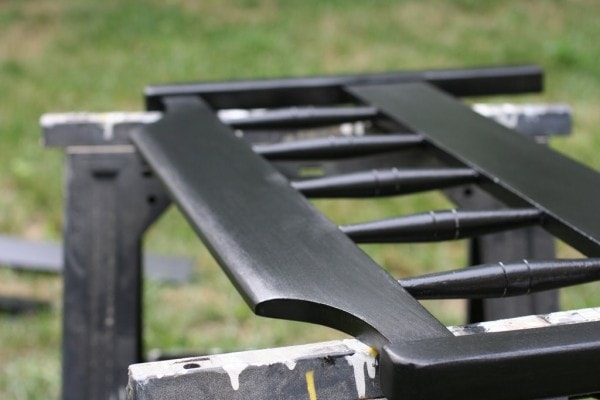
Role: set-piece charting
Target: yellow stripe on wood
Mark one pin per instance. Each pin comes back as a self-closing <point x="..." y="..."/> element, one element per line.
<point x="310" y="385"/>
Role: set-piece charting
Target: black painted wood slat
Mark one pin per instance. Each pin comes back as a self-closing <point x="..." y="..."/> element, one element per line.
<point x="285" y="258"/>
<point x="327" y="90"/>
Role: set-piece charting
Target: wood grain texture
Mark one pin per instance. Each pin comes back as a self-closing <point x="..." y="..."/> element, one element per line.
<point x="285" y="258"/>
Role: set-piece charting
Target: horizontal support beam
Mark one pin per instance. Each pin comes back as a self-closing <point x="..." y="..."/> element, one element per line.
<point x="113" y="128"/>
<point x="569" y="317"/>
<point x="530" y="119"/>
<point x="327" y="90"/>
<point x="534" y="363"/>
<point x="338" y="369"/>
<point x="92" y="129"/>
<point x="341" y="369"/>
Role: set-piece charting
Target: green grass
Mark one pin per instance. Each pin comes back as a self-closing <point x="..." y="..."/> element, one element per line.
<point x="64" y="55"/>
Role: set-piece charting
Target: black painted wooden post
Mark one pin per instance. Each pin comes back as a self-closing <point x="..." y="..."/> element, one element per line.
<point x="109" y="206"/>
<point x="111" y="199"/>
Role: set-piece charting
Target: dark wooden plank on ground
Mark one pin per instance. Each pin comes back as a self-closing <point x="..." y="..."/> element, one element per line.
<point x="39" y="256"/>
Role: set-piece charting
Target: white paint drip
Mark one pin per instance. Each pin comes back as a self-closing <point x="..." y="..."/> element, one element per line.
<point x="235" y="363"/>
<point x="232" y="364"/>
<point x="107" y="132"/>
<point x="361" y="357"/>
<point x="291" y="364"/>
<point x="234" y="370"/>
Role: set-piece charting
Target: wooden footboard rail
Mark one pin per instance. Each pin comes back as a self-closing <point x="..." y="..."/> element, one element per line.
<point x="290" y="262"/>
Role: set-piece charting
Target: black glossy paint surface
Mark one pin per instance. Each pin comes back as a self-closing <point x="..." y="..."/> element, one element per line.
<point x="384" y="182"/>
<point x="284" y="257"/>
<point x="436" y="226"/>
<point x="517" y="169"/>
<point x="326" y="90"/>
<point x="334" y="147"/>
<point x="503" y="280"/>
<point x="537" y="363"/>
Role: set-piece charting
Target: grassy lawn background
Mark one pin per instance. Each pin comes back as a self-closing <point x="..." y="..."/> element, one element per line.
<point x="97" y="56"/>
